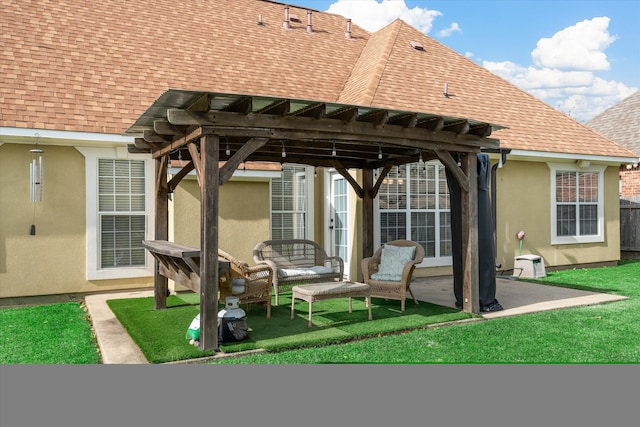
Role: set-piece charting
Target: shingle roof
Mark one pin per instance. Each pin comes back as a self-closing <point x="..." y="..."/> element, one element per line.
<point x="621" y="123"/>
<point x="97" y="66"/>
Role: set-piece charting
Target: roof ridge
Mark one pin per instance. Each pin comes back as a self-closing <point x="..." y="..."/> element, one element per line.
<point x="377" y="70"/>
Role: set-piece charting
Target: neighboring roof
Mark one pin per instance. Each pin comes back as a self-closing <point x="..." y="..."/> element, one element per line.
<point x="98" y="66"/>
<point x="621" y="123"/>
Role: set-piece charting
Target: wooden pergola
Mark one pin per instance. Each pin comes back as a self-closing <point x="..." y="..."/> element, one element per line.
<point x="202" y="127"/>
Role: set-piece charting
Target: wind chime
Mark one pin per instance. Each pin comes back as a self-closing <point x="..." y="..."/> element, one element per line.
<point x="36" y="180"/>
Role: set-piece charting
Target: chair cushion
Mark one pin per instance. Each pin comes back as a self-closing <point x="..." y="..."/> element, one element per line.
<point x="392" y="262"/>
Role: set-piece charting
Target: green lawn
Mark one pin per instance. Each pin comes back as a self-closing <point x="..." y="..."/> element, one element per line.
<point x="47" y="334"/>
<point x="603" y="333"/>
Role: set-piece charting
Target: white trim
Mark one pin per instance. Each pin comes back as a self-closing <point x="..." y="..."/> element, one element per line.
<point x="569" y="157"/>
<point x="91" y="156"/>
<point x="573" y="167"/>
<point x="59" y="137"/>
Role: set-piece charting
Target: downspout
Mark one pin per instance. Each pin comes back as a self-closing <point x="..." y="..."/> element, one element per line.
<point x="494" y="168"/>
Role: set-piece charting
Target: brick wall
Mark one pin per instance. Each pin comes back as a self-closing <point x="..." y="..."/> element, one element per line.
<point x="630" y="182"/>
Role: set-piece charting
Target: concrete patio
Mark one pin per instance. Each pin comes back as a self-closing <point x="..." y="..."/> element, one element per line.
<point x="517" y="297"/>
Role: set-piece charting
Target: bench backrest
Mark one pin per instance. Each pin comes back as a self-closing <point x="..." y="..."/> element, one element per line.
<point x="293" y="253"/>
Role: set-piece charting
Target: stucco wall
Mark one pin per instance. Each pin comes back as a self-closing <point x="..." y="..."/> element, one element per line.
<point x="53" y="260"/>
<point x="243" y="219"/>
<point x="524" y="203"/>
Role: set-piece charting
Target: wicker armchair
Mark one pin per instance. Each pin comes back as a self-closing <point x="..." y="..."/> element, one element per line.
<point x="258" y="282"/>
<point x="392" y="287"/>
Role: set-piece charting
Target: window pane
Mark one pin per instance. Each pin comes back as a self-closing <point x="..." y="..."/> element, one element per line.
<point x="565" y="187"/>
<point x="121" y="185"/>
<point x="423" y="231"/>
<point x="289" y="203"/>
<point x="566" y="220"/>
<point x="121" y="241"/>
<point x="588" y="220"/>
<point x="588" y="187"/>
<point x="393" y="226"/>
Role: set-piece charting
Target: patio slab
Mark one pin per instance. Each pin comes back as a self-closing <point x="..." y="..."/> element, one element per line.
<point x="517" y="297"/>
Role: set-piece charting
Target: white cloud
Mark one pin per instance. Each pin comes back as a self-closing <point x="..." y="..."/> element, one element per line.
<point x="563" y="73"/>
<point x="373" y="14"/>
<point x="453" y="28"/>
<point x="579" y="47"/>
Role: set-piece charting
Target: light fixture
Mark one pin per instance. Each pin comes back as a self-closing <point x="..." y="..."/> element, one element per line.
<point x="379" y="151"/>
<point x="583" y="163"/>
<point x="421" y="160"/>
<point x="284" y="153"/>
<point x="228" y="150"/>
<point x="333" y="151"/>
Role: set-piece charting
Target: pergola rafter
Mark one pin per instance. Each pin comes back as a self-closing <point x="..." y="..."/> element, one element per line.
<point x="216" y="132"/>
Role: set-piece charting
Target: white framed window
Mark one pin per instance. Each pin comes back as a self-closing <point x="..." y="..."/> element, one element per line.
<point x="119" y="213"/>
<point x="577" y="203"/>
<point x="291" y="196"/>
<point x="413" y="203"/>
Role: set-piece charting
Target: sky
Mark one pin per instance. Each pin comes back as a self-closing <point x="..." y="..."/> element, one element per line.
<point x="579" y="56"/>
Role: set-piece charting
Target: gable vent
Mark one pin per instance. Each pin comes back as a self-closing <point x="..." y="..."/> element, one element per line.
<point x="417" y="46"/>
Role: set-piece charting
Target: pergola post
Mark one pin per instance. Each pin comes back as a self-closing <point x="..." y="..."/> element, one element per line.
<point x="469" y="214"/>
<point x="160" y="282"/>
<point x="209" y="192"/>
<point x="367" y="212"/>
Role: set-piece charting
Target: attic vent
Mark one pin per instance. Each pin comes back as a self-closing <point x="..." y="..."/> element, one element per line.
<point x="416" y="45"/>
<point x="294" y="17"/>
<point x="309" y="26"/>
<point x="287" y="17"/>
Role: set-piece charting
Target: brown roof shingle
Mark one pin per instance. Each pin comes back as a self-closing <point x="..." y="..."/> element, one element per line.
<point x="97" y="66"/>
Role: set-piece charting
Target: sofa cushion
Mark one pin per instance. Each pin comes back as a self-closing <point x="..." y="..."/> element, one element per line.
<point x="392" y="262"/>
<point x="310" y="271"/>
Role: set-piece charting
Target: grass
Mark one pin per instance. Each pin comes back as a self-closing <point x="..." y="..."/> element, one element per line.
<point x="598" y="334"/>
<point x="160" y="334"/>
<point x="47" y="334"/>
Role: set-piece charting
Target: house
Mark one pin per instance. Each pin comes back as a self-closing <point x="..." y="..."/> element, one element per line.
<point x="621" y="124"/>
<point x="76" y="76"/>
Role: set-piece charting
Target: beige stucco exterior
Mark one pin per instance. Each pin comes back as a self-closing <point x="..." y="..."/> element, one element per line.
<point x="54" y="260"/>
<point x="523" y="202"/>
